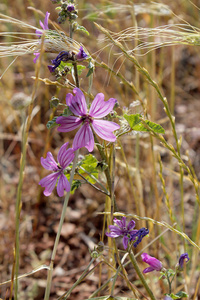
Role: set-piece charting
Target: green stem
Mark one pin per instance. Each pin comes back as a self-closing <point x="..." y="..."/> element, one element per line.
<point x="107" y="173"/>
<point x="94" y="186"/>
<point x="96" y="179"/>
<point x="122" y="268"/>
<point x="170" y="284"/>
<point x="50" y="272"/>
<point x="140" y="275"/>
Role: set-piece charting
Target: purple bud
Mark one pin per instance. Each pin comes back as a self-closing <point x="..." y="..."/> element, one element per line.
<point x="70" y="7"/>
<point x="154" y="263"/>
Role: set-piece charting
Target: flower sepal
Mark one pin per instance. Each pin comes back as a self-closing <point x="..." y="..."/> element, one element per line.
<point x="178" y="295"/>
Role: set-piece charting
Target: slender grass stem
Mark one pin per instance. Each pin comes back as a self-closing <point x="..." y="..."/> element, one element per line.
<point x="26" y="127"/>
<point x="140" y="275"/>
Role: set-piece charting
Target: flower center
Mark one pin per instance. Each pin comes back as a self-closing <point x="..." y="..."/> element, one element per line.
<point x="87" y="119"/>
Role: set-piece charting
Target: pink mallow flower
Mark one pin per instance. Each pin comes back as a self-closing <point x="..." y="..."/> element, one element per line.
<point x="39" y="33"/>
<point x="153" y="262"/>
<point x="65" y="157"/>
<point x="122" y="230"/>
<point x="99" y="109"/>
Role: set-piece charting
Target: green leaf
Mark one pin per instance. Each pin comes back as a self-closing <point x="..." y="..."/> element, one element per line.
<point x="63" y="64"/>
<point x="82" y="28"/>
<point x="135" y="123"/>
<point x="111" y="298"/>
<point x="52" y="123"/>
<point x="170" y="273"/>
<point x="133" y="120"/>
<point x="67" y="112"/>
<point x="89" y="164"/>
<point x="75" y="185"/>
<point x="80" y="69"/>
<point x="91" y="68"/>
<point x="155" y="127"/>
<point x="179" y="295"/>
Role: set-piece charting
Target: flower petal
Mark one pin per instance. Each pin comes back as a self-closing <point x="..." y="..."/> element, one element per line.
<point x="63" y="184"/>
<point x="121" y="223"/>
<point x="84" y="138"/>
<point x="104" y="129"/>
<point x="100" y="108"/>
<point x="183" y="258"/>
<point x="46" y="21"/>
<point x="65" y="156"/>
<point x="49" y="162"/>
<point x="125" y="242"/>
<point x="68" y="123"/>
<point x="152" y="261"/>
<point x="114" y="232"/>
<point x="131" y="225"/>
<point x="77" y="103"/>
<point x="37" y="54"/>
<point x="49" y="183"/>
<point x="149" y="269"/>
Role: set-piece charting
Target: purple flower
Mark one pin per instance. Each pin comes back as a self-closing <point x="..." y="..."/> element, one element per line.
<point x="66" y="56"/>
<point x="122" y="230"/>
<point x="39" y="33"/>
<point x="138" y="236"/>
<point x="153" y="262"/>
<point x="183" y="258"/>
<point x="81" y="55"/>
<point x="99" y="109"/>
<point x="43" y="25"/>
<point x="65" y="157"/>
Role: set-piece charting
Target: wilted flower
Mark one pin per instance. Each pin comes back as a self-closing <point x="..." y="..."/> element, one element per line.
<point x="99" y="109"/>
<point x="153" y="262"/>
<point x="81" y="55"/>
<point x="138" y="236"/>
<point x="66" y="56"/>
<point x="65" y="157"/>
<point x="39" y="33"/>
<point x="122" y="230"/>
<point x="183" y="259"/>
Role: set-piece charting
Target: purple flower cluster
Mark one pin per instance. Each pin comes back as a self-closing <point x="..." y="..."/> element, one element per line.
<point x="126" y="231"/>
<point x="90" y="121"/>
<point x="138" y="236"/>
